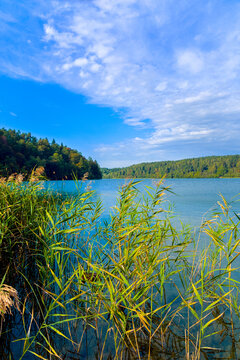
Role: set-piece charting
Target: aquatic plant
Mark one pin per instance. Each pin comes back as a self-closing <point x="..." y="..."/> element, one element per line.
<point x="137" y="287"/>
<point x="8" y="298"/>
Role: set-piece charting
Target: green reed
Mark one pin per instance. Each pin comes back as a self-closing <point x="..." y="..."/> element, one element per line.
<point x="136" y="287"/>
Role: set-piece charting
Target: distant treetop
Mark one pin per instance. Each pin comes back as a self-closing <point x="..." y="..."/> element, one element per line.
<point x="202" y="167"/>
<point x="22" y="152"/>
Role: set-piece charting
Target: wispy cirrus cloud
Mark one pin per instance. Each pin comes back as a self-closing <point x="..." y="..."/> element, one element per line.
<point x="171" y="68"/>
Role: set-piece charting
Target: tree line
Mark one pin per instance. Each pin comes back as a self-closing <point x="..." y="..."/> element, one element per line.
<point x="22" y="152"/>
<point x="202" y="167"/>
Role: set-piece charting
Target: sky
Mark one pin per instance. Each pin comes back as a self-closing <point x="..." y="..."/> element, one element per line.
<point x="123" y="81"/>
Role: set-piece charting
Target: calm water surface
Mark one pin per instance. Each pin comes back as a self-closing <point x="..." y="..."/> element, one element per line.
<point x="193" y="199"/>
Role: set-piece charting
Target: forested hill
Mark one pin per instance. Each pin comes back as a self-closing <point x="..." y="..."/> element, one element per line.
<point x="20" y="152"/>
<point x="203" y="167"/>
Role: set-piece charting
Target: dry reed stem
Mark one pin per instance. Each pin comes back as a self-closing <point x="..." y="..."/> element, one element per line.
<point x="8" y="298"/>
<point x="19" y="178"/>
<point x="2" y="180"/>
<point x="37" y="174"/>
<point x="85" y="177"/>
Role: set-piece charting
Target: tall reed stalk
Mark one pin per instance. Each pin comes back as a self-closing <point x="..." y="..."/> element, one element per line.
<point x="137" y="287"/>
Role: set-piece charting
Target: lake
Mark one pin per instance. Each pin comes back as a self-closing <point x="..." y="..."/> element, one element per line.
<point x="192" y="200"/>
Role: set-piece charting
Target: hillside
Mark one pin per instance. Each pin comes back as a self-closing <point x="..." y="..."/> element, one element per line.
<point x="202" y="167"/>
<point x="21" y="152"/>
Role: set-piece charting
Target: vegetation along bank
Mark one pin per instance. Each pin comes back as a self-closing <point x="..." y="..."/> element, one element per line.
<point x="202" y="167"/>
<point x="137" y="287"/>
<point x="21" y="152"/>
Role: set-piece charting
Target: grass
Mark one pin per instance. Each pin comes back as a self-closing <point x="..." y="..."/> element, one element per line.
<point x="133" y="288"/>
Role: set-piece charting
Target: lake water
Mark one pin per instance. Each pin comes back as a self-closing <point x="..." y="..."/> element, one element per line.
<point x="193" y="199"/>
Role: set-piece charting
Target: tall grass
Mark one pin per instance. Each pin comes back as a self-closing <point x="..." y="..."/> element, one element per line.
<point x="136" y="287"/>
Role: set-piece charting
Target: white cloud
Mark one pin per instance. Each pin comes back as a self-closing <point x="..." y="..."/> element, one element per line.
<point x="190" y="61"/>
<point x="79" y="62"/>
<point x="172" y="67"/>
<point x="95" y="67"/>
<point x="161" y="86"/>
<point x="191" y="99"/>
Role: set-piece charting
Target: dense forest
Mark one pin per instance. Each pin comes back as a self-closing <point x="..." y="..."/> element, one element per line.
<point x="203" y="167"/>
<point x="21" y="153"/>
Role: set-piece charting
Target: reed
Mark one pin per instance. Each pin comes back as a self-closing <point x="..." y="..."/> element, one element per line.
<point x="137" y="287"/>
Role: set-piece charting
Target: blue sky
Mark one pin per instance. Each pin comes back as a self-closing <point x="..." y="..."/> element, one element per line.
<point x="123" y="81"/>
